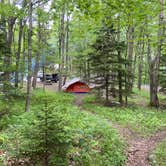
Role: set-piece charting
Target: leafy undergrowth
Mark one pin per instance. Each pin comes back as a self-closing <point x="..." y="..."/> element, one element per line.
<point x="158" y="157"/>
<point x="74" y="137"/>
<point x="145" y="121"/>
<point x="141" y="98"/>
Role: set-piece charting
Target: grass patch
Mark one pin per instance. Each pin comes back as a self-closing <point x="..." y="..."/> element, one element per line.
<point x="158" y="157"/>
<point x="145" y="121"/>
<point x="142" y="98"/>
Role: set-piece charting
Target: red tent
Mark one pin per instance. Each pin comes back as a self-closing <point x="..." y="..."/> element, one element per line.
<point x="76" y="86"/>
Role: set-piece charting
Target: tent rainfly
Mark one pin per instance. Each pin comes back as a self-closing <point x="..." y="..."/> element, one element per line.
<point x="76" y="86"/>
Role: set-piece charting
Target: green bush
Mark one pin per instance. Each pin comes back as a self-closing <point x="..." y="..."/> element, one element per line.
<point x="74" y="137"/>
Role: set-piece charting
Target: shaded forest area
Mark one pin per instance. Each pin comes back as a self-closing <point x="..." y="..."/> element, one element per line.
<point x="117" y="47"/>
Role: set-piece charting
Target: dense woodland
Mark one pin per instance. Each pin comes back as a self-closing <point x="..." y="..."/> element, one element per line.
<point x="117" y="46"/>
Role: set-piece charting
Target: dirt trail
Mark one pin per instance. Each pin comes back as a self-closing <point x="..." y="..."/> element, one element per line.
<point x="79" y="99"/>
<point x="139" y="147"/>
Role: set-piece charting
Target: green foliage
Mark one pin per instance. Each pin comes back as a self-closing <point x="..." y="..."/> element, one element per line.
<point x="108" y="62"/>
<point x="145" y="121"/>
<point x="74" y="137"/>
<point x="10" y="107"/>
<point x="141" y="97"/>
<point x="158" y="157"/>
<point x="8" y="10"/>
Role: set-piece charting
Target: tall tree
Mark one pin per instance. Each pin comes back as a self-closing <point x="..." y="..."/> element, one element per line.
<point x="27" y="105"/>
<point x="61" y="46"/>
<point x="155" y="62"/>
<point x="38" y="53"/>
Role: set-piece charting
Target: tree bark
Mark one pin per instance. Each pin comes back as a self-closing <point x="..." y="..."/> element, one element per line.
<point x="107" y="88"/>
<point x="23" y="55"/>
<point x="140" y="60"/>
<point x="67" y="48"/>
<point x="18" y="52"/>
<point x="155" y="63"/>
<point x="61" y="47"/>
<point x="130" y="48"/>
<point x="8" y="53"/>
<point x="119" y="67"/>
<point x="37" y="58"/>
<point x="27" y="106"/>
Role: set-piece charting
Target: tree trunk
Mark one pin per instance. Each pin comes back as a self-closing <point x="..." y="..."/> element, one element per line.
<point x="11" y="22"/>
<point x="21" y="37"/>
<point x="107" y="88"/>
<point x="155" y="63"/>
<point x="27" y="106"/>
<point x="8" y="54"/>
<point x="130" y="48"/>
<point x="62" y="47"/>
<point x="119" y="67"/>
<point x="37" y="58"/>
<point x="67" y="48"/>
<point x="18" y="52"/>
<point x="23" y="56"/>
<point x="88" y="71"/>
<point x="126" y="84"/>
<point x="140" y="72"/>
<point x="140" y="63"/>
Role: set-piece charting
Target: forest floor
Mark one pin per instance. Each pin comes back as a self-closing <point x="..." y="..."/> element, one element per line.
<point x="138" y="126"/>
<point x="50" y="87"/>
<point x="139" y="147"/>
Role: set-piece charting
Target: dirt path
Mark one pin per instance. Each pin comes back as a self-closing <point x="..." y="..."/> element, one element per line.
<point x="139" y="147"/>
<point x="79" y="99"/>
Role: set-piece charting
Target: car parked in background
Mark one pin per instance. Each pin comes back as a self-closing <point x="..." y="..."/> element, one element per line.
<point x="50" y="78"/>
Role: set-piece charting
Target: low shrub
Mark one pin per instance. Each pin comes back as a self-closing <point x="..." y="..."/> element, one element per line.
<point x="73" y="137"/>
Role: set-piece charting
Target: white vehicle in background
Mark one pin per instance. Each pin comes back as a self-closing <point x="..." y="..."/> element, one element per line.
<point x="40" y="74"/>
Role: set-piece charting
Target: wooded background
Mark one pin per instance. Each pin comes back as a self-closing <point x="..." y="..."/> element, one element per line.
<point x="114" y="44"/>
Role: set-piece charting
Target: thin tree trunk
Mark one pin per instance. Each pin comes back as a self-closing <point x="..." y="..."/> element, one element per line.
<point x="119" y="67"/>
<point x="130" y="47"/>
<point x="23" y="56"/>
<point x="62" y="47"/>
<point x="67" y="48"/>
<point x="63" y="42"/>
<point x="126" y="83"/>
<point x="107" y="88"/>
<point x="88" y="71"/>
<point x="37" y="58"/>
<point x="44" y="78"/>
<point x="18" y="52"/>
<point x="60" y="75"/>
<point x="140" y="63"/>
<point x="140" y="72"/>
<point x="27" y="106"/>
<point x="11" y="22"/>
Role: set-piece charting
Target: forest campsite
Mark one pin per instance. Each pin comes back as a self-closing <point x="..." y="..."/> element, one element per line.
<point x="82" y="83"/>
